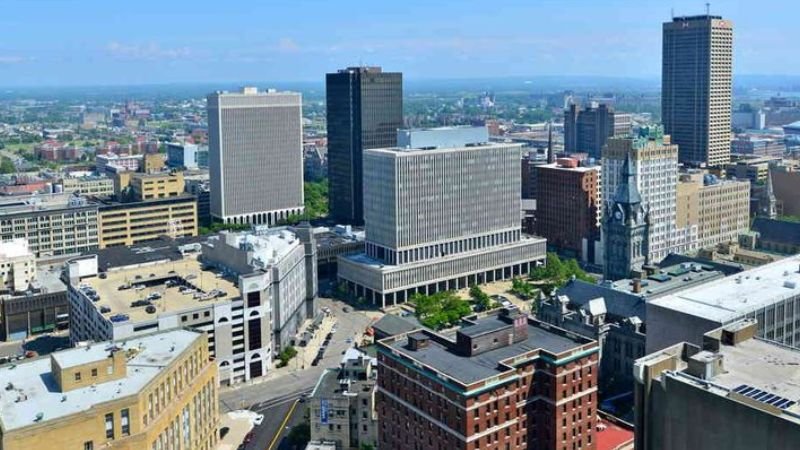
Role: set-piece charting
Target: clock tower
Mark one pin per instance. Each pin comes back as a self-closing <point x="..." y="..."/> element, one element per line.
<point x="625" y="228"/>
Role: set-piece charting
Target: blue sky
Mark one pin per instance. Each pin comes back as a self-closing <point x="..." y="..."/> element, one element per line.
<point x="86" y="42"/>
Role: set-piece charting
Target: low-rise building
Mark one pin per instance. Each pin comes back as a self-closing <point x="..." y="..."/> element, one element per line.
<point x="758" y="145"/>
<point x="730" y="391"/>
<point x="769" y="293"/>
<point x="181" y="155"/>
<point x="130" y="223"/>
<point x="718" y="208"/>
<point x="153" y="392"/>
<point x="342" y="407"/>
<point x="333" y="242"/>
<point x="126" y="292"/>
<point x="501" y="381"/>
<point x="777" y="236"/>
<point x="91" y="186"/>
<point x="53" y="224"/>
<point x="111" y="163"/>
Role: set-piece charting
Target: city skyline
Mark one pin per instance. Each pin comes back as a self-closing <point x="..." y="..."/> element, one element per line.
<point x="85" y="45"/>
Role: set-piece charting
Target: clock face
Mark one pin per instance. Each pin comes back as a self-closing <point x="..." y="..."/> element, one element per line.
<point x="618" y="215"/>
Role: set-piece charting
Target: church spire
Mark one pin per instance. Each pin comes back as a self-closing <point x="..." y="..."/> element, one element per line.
<point x="627" y="192"/>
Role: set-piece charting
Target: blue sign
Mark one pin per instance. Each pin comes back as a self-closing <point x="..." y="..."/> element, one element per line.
<point x="323" y="411"/>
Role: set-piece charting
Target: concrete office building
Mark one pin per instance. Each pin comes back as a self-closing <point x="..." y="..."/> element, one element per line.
<point x="112" y="163"/>
<point x="342" y="407"/>
<point x="530" y="163"/>
<point x="154" y="392"/>
<point x="746" y="144"/>
<point x="135" y="222"/>
<point x="17" y="265"/>
<point x="696" y="86"/>
<point x="364" y="110"/>
<point x="92" y="186"/>
<point x="587" y="129"/>
<point x="720" y="209"/>
<point x="730" y="391"/>
<point x="53" y="225"/>
<point x="654" y="162"/>
<point x="501" y="381"/>
<point x="568" y="208"/>
<point x="125" y="292"/>
<point x="439" y="219"/>
<point x="288" y="261"/>
<point x="181" y="155"/>
<point x="255" y="156"/>
<point x="769" y="293"/>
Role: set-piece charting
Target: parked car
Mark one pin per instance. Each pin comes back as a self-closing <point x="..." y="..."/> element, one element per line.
<point x="258" y="419"/>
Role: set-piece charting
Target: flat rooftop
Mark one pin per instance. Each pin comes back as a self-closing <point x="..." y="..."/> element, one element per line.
<point x="470" y="369"/>
<point x="39" y="203"/>
<point x="139" y="282"/>
<point x="731" y="297"/>
<point x="398" y="151"/>
<point x="671" y="279"/>
<point x="33" y="384"/>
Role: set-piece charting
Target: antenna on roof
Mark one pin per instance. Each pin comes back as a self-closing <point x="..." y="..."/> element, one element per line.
<point x="708" y="9"/>
<point x="672" y="13"/>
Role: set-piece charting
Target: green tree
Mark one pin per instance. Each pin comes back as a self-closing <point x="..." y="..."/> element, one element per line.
<point x="557" y="272"/>
<point x="481" y="299"/>
<point x="367" y="447"/>
<point x="7" y="166"/>
<point x="521" y="288"/>
<point x="286" y="355"/>
<point x="440" y="310"/>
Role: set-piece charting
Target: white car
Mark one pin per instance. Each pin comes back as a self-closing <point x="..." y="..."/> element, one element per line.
<point x="258" y="419"/>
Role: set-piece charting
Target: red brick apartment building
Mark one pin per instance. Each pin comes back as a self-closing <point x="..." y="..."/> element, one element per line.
<point x="502" y="382"/>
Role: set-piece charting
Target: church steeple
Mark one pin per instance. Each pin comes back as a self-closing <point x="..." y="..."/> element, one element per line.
<point x="627" y="192"/>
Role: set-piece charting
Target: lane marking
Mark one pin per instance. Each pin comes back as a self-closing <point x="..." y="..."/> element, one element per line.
<point x="283" y="425"/>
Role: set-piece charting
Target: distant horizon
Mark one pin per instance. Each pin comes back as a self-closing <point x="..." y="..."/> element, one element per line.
<point x="95" y="43"/>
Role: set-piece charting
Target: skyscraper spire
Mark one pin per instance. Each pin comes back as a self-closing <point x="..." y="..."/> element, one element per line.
<point x="627" y="192"/>
<point x="551" y="156"/>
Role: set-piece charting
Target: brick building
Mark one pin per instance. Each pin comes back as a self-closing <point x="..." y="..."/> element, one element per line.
<point x="568" y="206"/>
<point x="505" y="382"/>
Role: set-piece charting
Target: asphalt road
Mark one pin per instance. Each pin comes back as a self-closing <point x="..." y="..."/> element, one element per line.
<point x="274" y="398"/>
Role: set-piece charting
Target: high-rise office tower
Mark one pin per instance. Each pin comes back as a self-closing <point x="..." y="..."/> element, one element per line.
<point x="696" y="87"/>
<point x="255" y="156"/>
<point x="365" y="110"/>
<point x="442" y="212"/>
<point x="586" y="130"/>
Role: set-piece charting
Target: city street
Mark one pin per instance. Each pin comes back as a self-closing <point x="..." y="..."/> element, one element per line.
<point x="274" y="394"/>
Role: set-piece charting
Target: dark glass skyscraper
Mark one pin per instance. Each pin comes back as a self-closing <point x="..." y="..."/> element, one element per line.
<point x="365" y="109"/>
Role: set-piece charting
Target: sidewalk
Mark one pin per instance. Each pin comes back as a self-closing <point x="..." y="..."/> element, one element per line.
<point x="239" y="423"/>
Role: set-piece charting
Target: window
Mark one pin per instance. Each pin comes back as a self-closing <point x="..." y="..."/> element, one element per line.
<point x="110" y="425"/>
<point x="253" y="299"/>
<point x="94" y="372"/>
<point x="88" y="445"/>
<point x="125" y="422"/>
<point x="77" y="376"/>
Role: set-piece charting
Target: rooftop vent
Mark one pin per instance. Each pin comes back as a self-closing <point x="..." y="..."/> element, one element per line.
<point x="418" y="341"/>
<point x="39" y="417"/>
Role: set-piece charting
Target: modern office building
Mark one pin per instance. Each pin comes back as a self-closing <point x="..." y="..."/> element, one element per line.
<point x="131" y="223"/>
<point x="587" y="129"/>
<point x="137" y="186"/>
<point x="364" y="110"/>
<point x="626" y="229"/>
<point x="182" y="155"/>
<point x="718" y="208"/>
<point x="746" y="144"/>
<point x="439" y="219"/>
<point x="769" y="293"/>
<point x="342" y="407"/>
<point x="696" y="87"/>
<point x="654" y="162"/>
<point x="157" y="391"/>
<point x="287" y="261"/>
<point x="568" y="208"/>
<point x="502" y="381"/>
<point x="730" y="391"/>
<point x="255" y="156"/>
<point x="125" y="292"/>
<point x="530" y="164"/>
<point x="53" y="225"/>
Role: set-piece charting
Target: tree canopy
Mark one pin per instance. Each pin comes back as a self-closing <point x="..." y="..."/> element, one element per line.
<point x="558" y="272"/>
<point x="440" y="310"/>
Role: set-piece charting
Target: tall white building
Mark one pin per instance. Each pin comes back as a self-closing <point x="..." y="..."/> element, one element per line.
<point x="255" y="156"/>
<point x="439" y="218"/>
<point x="17" y="265"/>
<point x="654" y="162"/>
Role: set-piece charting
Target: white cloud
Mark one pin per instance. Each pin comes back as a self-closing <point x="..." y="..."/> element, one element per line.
<point x="149" y="51"/>
<point x="14" y="59"/>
